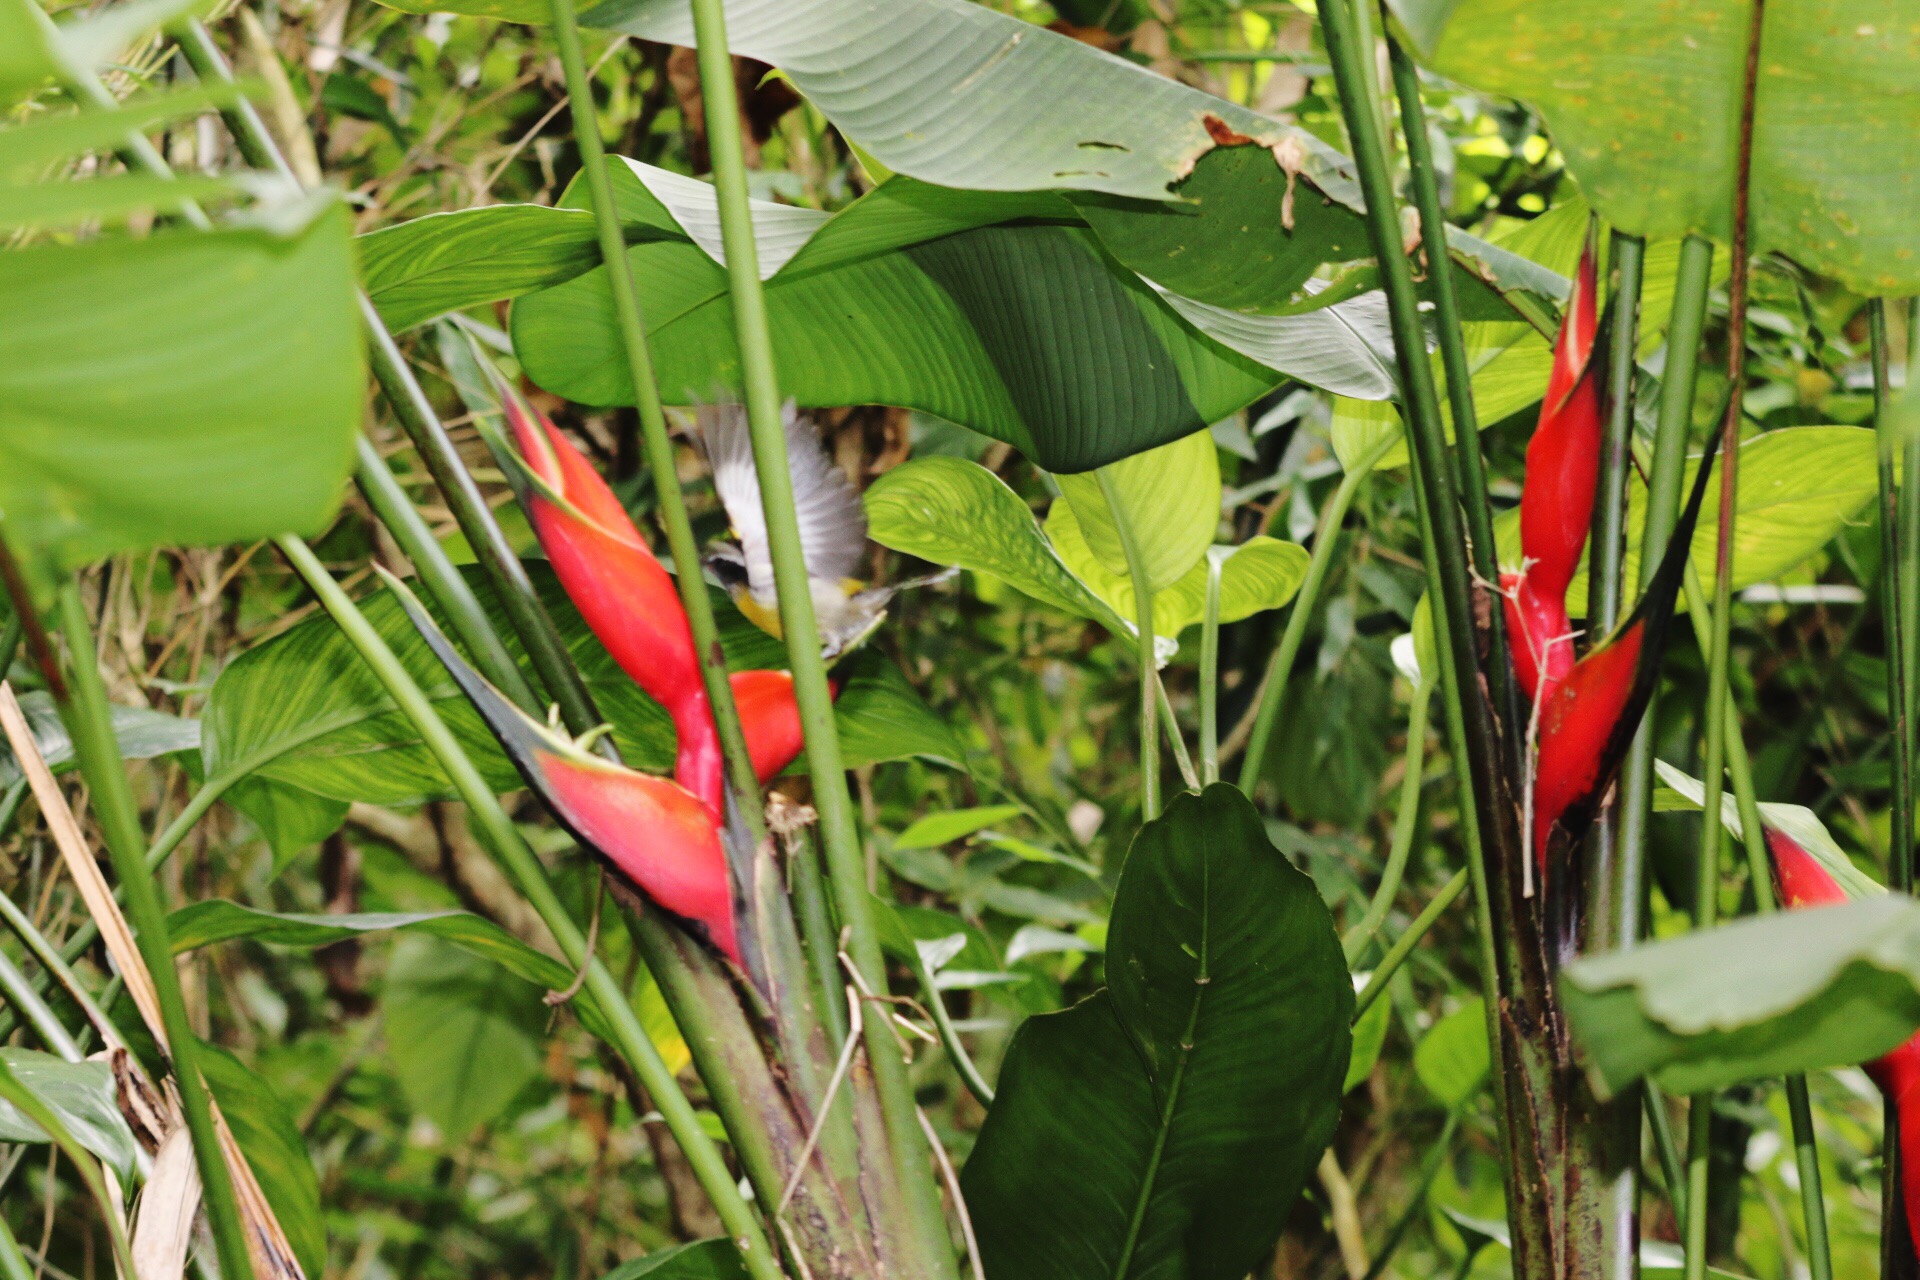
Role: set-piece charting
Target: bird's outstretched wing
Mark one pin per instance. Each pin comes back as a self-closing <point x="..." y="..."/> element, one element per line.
<point x="833" y="524"/>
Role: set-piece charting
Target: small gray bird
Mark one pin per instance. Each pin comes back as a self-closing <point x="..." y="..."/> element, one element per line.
<point x="833" y="531"/>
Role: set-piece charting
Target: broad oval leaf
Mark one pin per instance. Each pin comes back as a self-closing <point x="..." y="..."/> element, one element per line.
<point x="1169" y="500"/>
<point x="224" y="356"/>
<point x="1198" y="1090"/>
<point x="1646" y="111"/>
<point x="463" y="1039"/>
<point x="952" y="511"/>
<point x="702" y="1260"/>
<point x="936" y="829"/>
<point x="1452" y="1060"/>
<point x="81" y="1094"/>
<point x="1765" y="996"/>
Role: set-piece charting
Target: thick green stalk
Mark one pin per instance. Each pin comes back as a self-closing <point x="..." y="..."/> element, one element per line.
<point x="689" y="577"/>
<point x="1606" y="581"/>
<point x="30" y="1105"/>
<point x="1143" y="619"/>
<point x="1667" y="1148"/>
<point x="839" y="837"/>
<point x="1405" y="822"/>
<point x="1404" y="944"/>
<point x="448" y="588"/>
<point x="1210" y="672"/>
<point x="503" y="839"/>
<point x="1453" y="358"/>
<point x="1895" y="606"/>
<point x="1273" y="686"/>
<point x="1488" y="816"/>
<point x="1760" y="869"/>
<point x="85" y="712"/>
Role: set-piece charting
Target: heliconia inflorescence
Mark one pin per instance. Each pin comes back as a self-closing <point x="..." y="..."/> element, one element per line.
<point x="629" y="602"/>
<point x="1586" y="710"/>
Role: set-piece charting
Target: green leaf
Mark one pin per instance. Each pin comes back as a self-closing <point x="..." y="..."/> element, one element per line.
<point x="24" y="148"/>
<point x="30" y="53"/>
<point x="1798" y="488"/>
<point x="1369" y="1037"/>
<point x="139" y="732"/>
<point x="936" y="829"/>
<point x="1199" y="1105"/>
<point x="275" y="1148"/>
<point x="81" y="1094"/>
<point x="291" y="820"/>
<point x="882" y="717"/>
<point x="701" y="1260"/>
<point x="1645" y="111"/>
<point x="463" y="1039"/>
<point x="225" y="356"/>
<point x="110" y="200"/>
<point x="1765" y="996"/>
<point x="1261" y="573"/>
<point x="952" y="511"/>
<point x="1169" y="498"/>
<point x="446" y="261"/>
<point x="1452" y="1060"/>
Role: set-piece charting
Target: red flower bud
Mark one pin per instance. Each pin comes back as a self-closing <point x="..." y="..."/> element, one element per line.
<point x="770" y="719"/>
<point x="621" y="590"/>
<point x="1563" y="458"/>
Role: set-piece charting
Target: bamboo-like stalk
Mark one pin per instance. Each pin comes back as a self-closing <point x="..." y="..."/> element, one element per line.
<point x="1488" y="818"/>
<point x="503" y="839"/>
<point x="1719" y="639"/>
<point x="84" y="709"/>
<point x="1143" y="619"/>
<point x="838" y="834"/>
<point x="1901" y="562"/>
<point x="448" y="588"/>
<point x="1614" y="882"/>
<point x="1273" y="685"/>
<point x="689" y="577"/>
<point x="1472" y="471"/>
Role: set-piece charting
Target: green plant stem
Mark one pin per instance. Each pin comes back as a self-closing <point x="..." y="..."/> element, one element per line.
<point x="1477" y="753"/>
<point x="29" y="1104"/>
<point x="1895" y="606"/>
<point x="1170" y="729"/>
<point x="55" y="964"/>
<point x="46" y="1023"/>
<point x="1406" y="821"/>
<point x="1606" y="580"/>
<point x="85" y="711"/>
<point x="13" y="1263"/>
<point x="443" y="581"/>
<point x="1667" y="1148"/>
<point x="9" y="643"/>
<point x="1403" y="945"/>
<point x="1273" y="686"/>
<point x="963" y="1063"/>
<point x="689" y="577"/>
<point x="838" y="835"/>
<point x="503" y="839"/>
<point x="1425" y="186"/>
<point x="816" y="928"/>
<point x="1149" y="676"/>
<point x="1210" y="674"/>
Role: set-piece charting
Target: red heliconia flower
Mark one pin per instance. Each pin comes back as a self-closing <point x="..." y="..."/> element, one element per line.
<point x="1556" y="506"/>
<point x="653" y="830"/>
<point x="626" y="597"/>
<point x="1804" y="882"/>
<point x="770" y="719"/>
<point x="660" y="837"/>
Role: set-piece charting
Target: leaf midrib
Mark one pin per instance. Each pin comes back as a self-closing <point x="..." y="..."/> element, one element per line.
<point x="1152" y="1174"/>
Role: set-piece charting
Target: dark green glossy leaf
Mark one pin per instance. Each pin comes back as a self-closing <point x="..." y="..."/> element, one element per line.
<point x="1765" y="996"/>
<point x="1164" y="1126"/>
<point x="701" y="1260"/>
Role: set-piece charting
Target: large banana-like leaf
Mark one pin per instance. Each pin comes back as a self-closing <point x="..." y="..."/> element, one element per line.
<point x="1644" y="103"/>
<point x="999" y="311"/>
